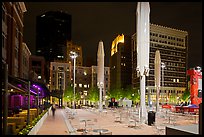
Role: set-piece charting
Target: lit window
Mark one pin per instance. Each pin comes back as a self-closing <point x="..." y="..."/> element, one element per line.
<point x="39" y="77"/>
<point x="85" y="93"/>
<point x="60" y="57"/>
<point x="85" y="86"/>
<point x="177" y="80"/>
<point x="85" y="73"/>
<point x="80" y="85"/>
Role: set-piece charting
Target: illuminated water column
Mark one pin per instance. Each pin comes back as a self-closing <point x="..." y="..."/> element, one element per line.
<point x="143" y="36"/>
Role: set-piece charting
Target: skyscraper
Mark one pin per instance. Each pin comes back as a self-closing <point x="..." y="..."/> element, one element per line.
<point x="173" y="47"/>
<point x="53" y="29"/>
<point x="120" y="62"/>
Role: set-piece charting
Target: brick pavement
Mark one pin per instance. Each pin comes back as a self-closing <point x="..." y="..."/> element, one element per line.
<point x="54" y="125"/>
<point x="60" y="125"/>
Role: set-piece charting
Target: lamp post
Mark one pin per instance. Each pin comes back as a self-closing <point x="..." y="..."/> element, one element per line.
<point x="73" y="55"/>
<point x="28" y="116"/>
<point x="5" y="96"/>
<point x="38" y="101"/>
<point x="163" y="66"/>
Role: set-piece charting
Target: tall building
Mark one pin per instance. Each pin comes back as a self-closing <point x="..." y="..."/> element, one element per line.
<point x="61" y="78"/>
<point x="120" y="62"/>
<point x="78" y="50"/>
<point x="37" y="66"/>
<point x="83" y="82"/>
<point x="12" y="36"/>
<point x="53" y="29"/>
<point x="173" y="47"/>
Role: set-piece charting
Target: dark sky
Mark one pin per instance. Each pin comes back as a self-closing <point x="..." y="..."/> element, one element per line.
<point x="95" y="21"/>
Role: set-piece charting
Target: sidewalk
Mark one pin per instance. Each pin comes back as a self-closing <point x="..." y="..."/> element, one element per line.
<point x="54" y="125"/>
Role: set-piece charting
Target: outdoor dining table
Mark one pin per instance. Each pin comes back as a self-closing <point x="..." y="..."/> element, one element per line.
<point x="84" y="120"/>
<point x="135" y="118"/>
<point x="120" y="117"/>
<point x="100" y="130"/>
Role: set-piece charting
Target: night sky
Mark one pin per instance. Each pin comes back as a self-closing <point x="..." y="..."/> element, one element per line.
<point x="92" y="22"/>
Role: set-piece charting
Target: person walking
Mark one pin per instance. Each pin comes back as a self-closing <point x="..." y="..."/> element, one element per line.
<point x="53" y="109"/>
<point x="182" y="109"/>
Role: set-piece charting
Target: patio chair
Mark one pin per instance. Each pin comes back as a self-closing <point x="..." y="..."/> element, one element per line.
<point x="92" y="124"/>
<point x="117" y="118"/>
<point x="159" y="129"/>
<point x="131" y="122"/>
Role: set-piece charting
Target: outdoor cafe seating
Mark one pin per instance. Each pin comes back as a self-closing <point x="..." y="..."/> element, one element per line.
<point x="15" y="124"/>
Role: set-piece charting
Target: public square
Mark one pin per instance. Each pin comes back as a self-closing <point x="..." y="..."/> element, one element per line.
<point x="124" y="68"/>
<point x="114" y="121"/>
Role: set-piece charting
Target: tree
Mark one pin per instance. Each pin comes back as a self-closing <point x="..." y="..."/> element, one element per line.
<point x="108" y="94"/>
<point x="93" y="94"/>
<point x="116" y="93"/>
<point x="68" y="94"/>
<point x="128" y="92"/>
<point x="186" y="95"/>
<point x="77" y="95"/>
<point x="173" y="98"/>
<point x="135" y="95"/>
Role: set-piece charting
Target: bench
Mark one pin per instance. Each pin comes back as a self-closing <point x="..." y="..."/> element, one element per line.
<point x="32" y="111"/>
<point x="11" y="129"/>
<point x="19" y="121"/>
<point x="32" y="117"/>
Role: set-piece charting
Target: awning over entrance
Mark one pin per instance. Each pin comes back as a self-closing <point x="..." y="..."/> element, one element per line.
<point x="19" y="85"/>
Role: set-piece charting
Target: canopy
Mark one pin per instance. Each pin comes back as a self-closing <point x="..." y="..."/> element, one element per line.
<point x="20" y="86"/>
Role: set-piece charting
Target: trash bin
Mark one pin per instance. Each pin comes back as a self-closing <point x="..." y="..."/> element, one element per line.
<point x="151" y="117"/>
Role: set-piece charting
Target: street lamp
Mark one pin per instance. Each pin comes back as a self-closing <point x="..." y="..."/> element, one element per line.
<point x="73" y="55"/>
<point x="163" y="66"/>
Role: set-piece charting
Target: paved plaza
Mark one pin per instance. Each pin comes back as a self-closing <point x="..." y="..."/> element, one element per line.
<point x="114" y="121"/>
